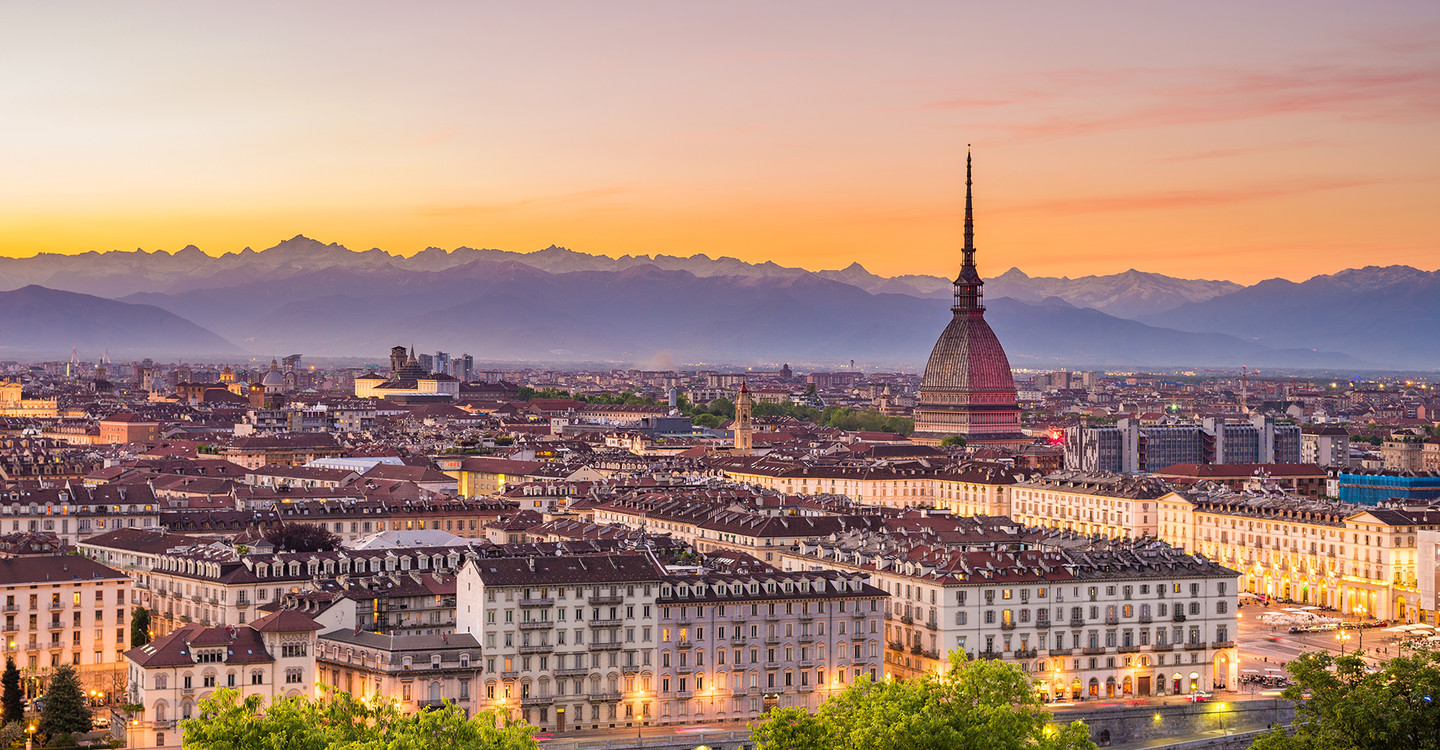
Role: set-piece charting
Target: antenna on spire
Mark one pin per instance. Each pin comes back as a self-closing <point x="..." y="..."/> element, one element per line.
<point x="969" y="213"/>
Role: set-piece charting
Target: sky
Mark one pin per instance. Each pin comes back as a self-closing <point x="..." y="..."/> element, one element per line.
<point x="1235" y="141"/>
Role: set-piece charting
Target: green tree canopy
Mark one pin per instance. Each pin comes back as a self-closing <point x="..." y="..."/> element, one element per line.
<point x="65" y="708"/>
<point x="301" y="537"/>
<point x="140" y="627"/>
<point x="955" y="440"/>
<point x="343" y="723"/>
<point x="974" y="704"/>
<point x="1348" y="708"/>
<point x="12" y="700"/>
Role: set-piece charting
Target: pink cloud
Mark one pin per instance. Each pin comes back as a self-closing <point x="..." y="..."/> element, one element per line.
<point x="1180" y="199"/>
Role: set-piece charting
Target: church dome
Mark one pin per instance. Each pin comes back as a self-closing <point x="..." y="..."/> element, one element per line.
<point x="968" y="389"/>
<point x="274" y="378"/>
<point x="968" y="357"/>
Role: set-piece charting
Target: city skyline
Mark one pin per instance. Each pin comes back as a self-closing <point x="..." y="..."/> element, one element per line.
<point x="1225" y="145"/>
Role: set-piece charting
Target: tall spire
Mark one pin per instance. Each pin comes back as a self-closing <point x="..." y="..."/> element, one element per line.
<point x="968" y="294"/>
<point x="969" y="214"/>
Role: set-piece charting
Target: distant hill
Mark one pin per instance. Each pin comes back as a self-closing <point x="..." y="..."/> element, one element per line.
<point x="514" y="311"/>
<point x="1380" y="314"/>
<point x="117" y="273"/>
<point x="35" y="321"/>
<point x="557" y="304"/>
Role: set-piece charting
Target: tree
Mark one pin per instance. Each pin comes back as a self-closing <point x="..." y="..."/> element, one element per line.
<point x="952" y="440"/>
<point x="343" y="723"/>
<point x="974" y="704"/>
<point x="65" y="709"/>
<point x="1341" y="706"/>
<point x="140" y="626"/>
<point x="12" y="700"/>
<point x="302" y="537"/>
<point x="707" y="420"/>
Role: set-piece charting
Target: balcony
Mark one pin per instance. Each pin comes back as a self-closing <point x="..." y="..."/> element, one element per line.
<point x="1145" y="618"/>
<point x="163" y="724"/>
<point x="1043" y="622"/>
<point x="1060" y="651"/>
<point x="806" y="688"/>
<point x="1163" y="647"/>
<point x="806" y="663"/>
<point x="682" y="643"/>
<point x="1093" y="650"/>
<point x="932" y="625"/>
<point x="537" y="648"/>
<point x="543" y="700"/>
<point x="772" y="616"/>
<point x="1076" y="622"/>
<point x="1223" y="644"/>
<point x="806" y="617"/>
<point x="1025" y="653"/>
<point x="607" y="697"/>
<point x="510" y="674"/>
<point x="773" y="640"/>
<point x="685" y="695"/>
<point x="990" y="655"/>
<point x="608" y="623"/>
<point x="572" y="672"/>
<point x="612" y="646"/>
<point x="738" y="640"/>
<point x="1112" y="621"/>
<point x="805" y="638"/>
<point x="61" y="605"/>
<point x="907" y="619"/>
<point x="548" y="601"/>
<point x="604" y="600"/>
<point x="1195" y="646"/>
<point x="1007" y="625"/>
<point x="537" y="625"/>
<point x="1129" y="649"/>
<point x="1179" y="617"/>
<point x="12" y="608"/>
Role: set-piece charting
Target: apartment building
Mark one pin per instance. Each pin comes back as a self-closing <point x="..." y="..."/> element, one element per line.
<point x="971" y="488"/>
<point x="271" y="657"/>
<point x="215" y="585"/>
<point x="74" y="512"/>
<point x="568" y="642"/>
<point x="732" y="646"/>
<point x="1104" y="620"/>
<point x="65" y="609"/>
<point x="1111" y="505"/>
<point x="1359" y="559"/>
<point x="418" y="672"/>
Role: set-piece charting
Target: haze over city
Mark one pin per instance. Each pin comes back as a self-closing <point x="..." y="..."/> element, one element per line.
<point x="1235" y="141"/>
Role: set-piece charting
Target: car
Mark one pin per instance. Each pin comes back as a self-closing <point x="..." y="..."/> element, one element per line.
<point x="100" y="722"/>
<point x="1200" y="697"/>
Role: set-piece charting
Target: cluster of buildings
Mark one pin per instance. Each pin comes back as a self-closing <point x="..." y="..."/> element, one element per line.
<point x="583" y="550"/>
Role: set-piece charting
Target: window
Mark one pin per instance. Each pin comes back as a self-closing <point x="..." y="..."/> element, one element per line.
<point x="296" y="675"/>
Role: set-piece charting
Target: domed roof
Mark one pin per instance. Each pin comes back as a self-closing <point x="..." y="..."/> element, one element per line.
<point x="274" y="377"/>
<point x="968" y="357"/>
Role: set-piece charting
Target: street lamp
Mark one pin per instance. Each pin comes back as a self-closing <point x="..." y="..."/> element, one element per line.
<point x="1342" y="637"/>
<point x="640" y="718"/>
<point x="1360" y="625"/>
<point x="30" y="737"/>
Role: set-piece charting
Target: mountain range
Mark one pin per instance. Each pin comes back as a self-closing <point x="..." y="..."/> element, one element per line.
<point x="558" y="305"/>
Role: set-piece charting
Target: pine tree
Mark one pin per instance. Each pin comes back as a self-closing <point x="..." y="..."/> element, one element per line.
<point x="65" y="709"/>
<point x="139" y="627"/>
<point x="12" y="700"/>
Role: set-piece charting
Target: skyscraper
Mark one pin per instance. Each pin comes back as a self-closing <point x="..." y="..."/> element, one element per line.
<point x="968" y="389"/>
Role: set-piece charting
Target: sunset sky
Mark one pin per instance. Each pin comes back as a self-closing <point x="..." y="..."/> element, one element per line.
<point x="1207" y="140"/>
